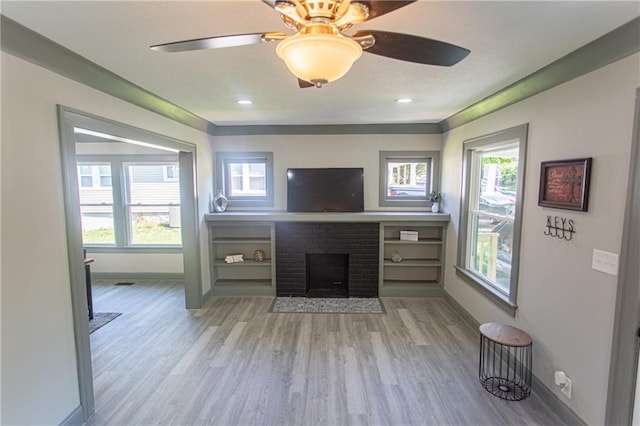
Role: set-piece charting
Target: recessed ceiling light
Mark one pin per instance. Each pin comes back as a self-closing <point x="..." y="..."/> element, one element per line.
<point x="403" y="100"/>
<point x="244" y="102"/>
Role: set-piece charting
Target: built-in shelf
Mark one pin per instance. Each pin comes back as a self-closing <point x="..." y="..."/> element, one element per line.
<point x="248" y="277"/>
<point x="419" y="273"/>
<point x="245" y="263"/>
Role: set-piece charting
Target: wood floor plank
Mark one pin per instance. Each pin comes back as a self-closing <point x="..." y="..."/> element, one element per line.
<point x="235" y="363"/>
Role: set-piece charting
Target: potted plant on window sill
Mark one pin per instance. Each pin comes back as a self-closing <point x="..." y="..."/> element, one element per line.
<point x="435" y="197"/>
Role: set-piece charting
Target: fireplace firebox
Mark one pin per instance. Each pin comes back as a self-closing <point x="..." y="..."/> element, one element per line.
<point x="327" y="275"/>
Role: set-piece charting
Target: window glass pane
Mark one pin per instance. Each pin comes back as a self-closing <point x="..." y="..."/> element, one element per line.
<point x="498" y="181"/>
<point x="490" y="228"/>
<point x="155" y="225"/>
<point x="235" y="169"/>
<point x="247" y="179"/>
<point x="236" y="186"/>
<point x="148" y="186"/>
<point x="105" y="181"/>
<point x="97" y="224"/>
<point x="86" y="181"/>
<point x="256" y="184"/>
<point x="90" y="175"/>
<point x="257" y="169"/>
<point x="407" y="179"/>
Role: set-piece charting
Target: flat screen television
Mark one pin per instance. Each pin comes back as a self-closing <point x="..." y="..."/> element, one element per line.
<point x="325" y="190"/>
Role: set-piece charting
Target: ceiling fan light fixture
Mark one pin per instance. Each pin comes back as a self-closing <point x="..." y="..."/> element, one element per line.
<point x="319" y="57"/>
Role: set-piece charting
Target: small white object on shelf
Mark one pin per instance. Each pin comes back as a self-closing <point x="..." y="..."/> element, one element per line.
<point x="409" y="235"/>
<point x="234" y="258"/>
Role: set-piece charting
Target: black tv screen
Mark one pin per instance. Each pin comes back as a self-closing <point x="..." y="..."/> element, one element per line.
<point x="325" y="190"/>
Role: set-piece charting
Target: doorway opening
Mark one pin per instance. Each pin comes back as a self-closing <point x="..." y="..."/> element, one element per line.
<point x="116" y="219"/>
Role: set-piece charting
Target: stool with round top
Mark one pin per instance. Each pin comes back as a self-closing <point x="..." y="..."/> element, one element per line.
<point x="505" y="361"/>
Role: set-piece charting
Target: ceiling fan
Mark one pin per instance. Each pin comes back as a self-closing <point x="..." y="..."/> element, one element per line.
<point x="320" y="51"/>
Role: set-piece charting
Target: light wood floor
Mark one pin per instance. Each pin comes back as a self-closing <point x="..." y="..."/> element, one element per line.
<point x="234" y="363"/>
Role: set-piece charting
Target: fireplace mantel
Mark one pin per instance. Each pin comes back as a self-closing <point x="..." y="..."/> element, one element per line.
<point x="368" y="216"/>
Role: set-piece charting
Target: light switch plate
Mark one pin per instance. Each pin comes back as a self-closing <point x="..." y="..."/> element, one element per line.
<point x="606" y="262"/>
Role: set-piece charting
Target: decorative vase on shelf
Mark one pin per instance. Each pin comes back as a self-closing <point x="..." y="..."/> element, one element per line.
<point x="259" y="255"/>
<point x="396" y="257"/>
<point x="220" y="202"/>
<point x="435" y="207"/>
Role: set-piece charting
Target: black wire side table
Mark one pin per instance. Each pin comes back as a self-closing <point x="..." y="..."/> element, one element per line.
<point x="505" y="361"/>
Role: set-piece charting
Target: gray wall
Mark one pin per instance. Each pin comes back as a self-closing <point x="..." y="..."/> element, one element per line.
<point x="39" y="372"/>
<point x="566" y="306"/>
<point x="329" y="151"/>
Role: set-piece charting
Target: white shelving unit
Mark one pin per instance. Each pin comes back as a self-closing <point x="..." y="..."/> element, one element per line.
<point x="420" y="271"/>
<point x="248" y="277"/>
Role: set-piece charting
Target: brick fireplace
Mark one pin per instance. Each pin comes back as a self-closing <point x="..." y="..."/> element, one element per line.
<point x="359" y="242"/>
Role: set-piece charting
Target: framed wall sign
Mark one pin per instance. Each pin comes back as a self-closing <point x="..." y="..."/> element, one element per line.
<point x="564" y="184"/>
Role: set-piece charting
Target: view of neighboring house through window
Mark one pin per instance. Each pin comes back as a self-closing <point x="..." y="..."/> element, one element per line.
<point x="143" y="208"/>
<point x="489" y="240"/>
<point x="96" y="203"/>
<point x="153" y="204"/>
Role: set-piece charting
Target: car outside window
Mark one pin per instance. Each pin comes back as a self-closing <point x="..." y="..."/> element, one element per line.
<point x="488" y="245"/>
<point x="407" y="177"/>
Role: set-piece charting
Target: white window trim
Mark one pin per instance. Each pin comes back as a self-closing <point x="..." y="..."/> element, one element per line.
<point x="506" y="302"/>
<point x="222" y="180"/>
<point x="415" y="156"/>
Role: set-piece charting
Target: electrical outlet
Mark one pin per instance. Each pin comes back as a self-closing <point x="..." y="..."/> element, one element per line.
<point x="563" y="382"/>
<point x="566" y="389"/>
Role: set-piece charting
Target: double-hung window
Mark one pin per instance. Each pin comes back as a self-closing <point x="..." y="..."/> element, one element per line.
<point x="129" y="201"/>
<point x="407" y="178"/>
<point x="490" y="219"/>
<point x="246" y="178"/>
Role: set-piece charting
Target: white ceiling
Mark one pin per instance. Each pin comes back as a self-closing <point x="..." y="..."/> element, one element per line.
<point x="508" y="41"/>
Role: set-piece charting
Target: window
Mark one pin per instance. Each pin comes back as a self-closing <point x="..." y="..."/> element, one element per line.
<point x="489" y="239"/>
<point x="407" y="177"/>
<point x="95" y="175"/>
<point x="142" y="209"/>
<point x="170" y="173"/>
<point x="246" y="178"/>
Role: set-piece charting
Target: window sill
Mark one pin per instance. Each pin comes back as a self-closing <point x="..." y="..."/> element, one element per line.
<point x="136" y="249"/>
<point x="498" y="299"/>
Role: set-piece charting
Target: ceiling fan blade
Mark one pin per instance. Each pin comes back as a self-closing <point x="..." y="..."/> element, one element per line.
<point x="217" y="42"/>
<point x="412" y="48"/>
<point x="379" y="8"/>
<point x="304" y="84"/>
